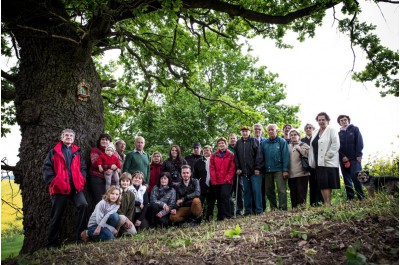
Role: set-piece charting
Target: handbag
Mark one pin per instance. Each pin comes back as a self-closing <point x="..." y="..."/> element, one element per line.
<point x="304" y="162"/>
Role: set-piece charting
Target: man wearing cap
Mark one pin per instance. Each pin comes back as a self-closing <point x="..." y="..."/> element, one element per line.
<point x="350" y="156"/>
<point x="248" y="161"/>
<point x="138" y="160"/>
<point x="195" y="155"/>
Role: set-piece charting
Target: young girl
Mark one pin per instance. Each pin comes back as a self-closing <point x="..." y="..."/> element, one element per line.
<point x="105" y="211"/>
<point x="105" y="162"/>
<point x="141" y="200"/>
<point x="162" y="200"/>
<point x="126" y="210"/>
<point x="155" y="170"/>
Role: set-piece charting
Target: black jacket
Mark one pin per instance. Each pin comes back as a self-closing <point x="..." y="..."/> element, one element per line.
<point x="200" y="173"/>
<point x="248" y="156"/>
<point x="188" y="193"/>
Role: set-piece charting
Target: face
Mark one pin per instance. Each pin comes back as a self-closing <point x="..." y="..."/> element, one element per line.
<point x="322" y="121"/>
<point x="139" y="144"/>
<point x="197" y="150"/>
<point x="156" y="158"/>
<point x="125" y="183"/>
<point x="245" y="133"/>
<point x="109" y="151"/>
<point x="207" y="152"/>
<point x="137" y="180"/>
<point x="257" y="131"/>
<point x="164" y="181"/>
<point x="232" y="139"/>
<point x="294" y="137"/>
<point x="68" y="138"/>
<point x="186" y="174"/>
<point x="272" y="132"/>
<point x="221" y="145"/>
<point x="104" y="142"/>
<point x="174" y="152"/>
<point x="344" y="122"/>
<point x="114" y="195"/>
<point x="309" y="130"/>
<point x="287" y="129"/>
<point x="120" y="147"/>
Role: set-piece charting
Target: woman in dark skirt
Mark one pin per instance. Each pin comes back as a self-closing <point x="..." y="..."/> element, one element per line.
<point x="324" y="157"/>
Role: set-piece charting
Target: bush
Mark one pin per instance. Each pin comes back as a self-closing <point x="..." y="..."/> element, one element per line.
<point x="388" y="166"/>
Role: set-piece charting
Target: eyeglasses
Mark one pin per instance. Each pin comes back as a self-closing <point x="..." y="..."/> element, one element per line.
<point x="309" y="127"/>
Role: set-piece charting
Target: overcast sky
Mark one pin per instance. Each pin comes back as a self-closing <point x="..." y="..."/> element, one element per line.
<point x="316" y="73"/>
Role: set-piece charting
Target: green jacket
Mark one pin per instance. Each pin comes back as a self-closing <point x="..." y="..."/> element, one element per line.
<point x="276" y="155"/>
<point x="127" y="206"/>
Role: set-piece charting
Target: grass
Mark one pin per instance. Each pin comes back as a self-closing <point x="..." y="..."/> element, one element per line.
<point x="10" y="247"/>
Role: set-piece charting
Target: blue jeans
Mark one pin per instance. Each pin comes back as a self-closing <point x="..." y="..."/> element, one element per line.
<point x="252" y="191"/>
<point x="105" y="233"/>
<point x="350" y="179"/>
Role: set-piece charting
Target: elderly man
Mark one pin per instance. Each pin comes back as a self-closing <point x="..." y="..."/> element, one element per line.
<point x="237" y="182"/>
<point x="258" y="131"/>
<point x="120" y="146"/>
<point x="248" y="166"/>
<point x="188" y="204"/>
<point x="64" y="171"/>
<point x="276" y="162"/>
<point x="138" y="160"/>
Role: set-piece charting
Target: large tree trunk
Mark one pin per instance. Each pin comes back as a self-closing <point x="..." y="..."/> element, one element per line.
<point x="47" y="102"/>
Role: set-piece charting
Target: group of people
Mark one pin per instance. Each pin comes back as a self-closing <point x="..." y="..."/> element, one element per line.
<point x="135" y="191"/>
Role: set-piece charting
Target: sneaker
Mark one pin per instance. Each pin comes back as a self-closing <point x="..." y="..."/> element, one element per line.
<point x="85" y="236"/>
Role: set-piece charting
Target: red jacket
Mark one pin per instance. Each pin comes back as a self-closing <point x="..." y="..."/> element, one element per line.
<point x="155" y="172"/>
<point x="55" y="171"/>
<point x="107" y="161"/>
<point x="222" y="168"/>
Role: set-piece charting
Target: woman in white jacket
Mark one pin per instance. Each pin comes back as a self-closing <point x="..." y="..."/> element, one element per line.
<point x="324" y="157"/>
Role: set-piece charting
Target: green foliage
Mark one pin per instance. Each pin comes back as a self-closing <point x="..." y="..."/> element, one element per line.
<point x="388" y="166"/>
<point x="299" y="234"/>
<point x="352" y="255"/>
<point x="11" y="246"/>
<point x="233" y="233"/>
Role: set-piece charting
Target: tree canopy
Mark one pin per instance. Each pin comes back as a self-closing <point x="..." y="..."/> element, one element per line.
<point x="184" y="76"/>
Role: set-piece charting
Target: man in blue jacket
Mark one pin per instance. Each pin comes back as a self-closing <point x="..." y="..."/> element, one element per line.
<point x="350" y="155"/>
<point x="276" y="155"/>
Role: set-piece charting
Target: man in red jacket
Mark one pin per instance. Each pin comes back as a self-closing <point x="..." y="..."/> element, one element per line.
<point x="65" y="172"/>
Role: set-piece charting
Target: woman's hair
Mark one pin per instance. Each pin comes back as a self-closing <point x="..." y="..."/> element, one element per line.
<point x="106" y="196"/>
<point x="165" y="174"/>
<point x="157" y="152"/>
<point x="341" y="117"/>
<point x="178" y="150"/>
<point x="103" y="135"/>
<point x="138" y="174"/>
<point x="323" y="114"/>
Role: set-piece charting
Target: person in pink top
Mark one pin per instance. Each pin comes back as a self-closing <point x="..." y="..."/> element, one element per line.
<point x="105" y="162"/>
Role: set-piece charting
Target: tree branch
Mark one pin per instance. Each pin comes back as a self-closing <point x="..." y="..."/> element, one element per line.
<point x="7" y="76"/>
<point x="49" y="34"/>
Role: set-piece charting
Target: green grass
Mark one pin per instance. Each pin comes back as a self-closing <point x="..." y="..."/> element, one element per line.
<point x="10" y="247"/>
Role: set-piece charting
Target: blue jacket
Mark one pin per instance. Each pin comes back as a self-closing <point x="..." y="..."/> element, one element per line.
<point x="276" y="155"/>
<point x="351" y="143"/>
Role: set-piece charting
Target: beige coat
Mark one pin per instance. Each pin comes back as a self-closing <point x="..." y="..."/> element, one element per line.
<point x="296" y="170"/>
<point x="328" y="149"/>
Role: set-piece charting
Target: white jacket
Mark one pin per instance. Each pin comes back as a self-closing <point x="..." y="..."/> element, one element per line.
<point x="328" y="149"/>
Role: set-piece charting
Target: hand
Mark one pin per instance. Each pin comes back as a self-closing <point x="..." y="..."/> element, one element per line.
<point x="165" y="207"/>
<point x="345" y="159"/>
<point x="257" y="172"/>
<point x="141" y="206"/>
<point x="101" y="169"/>
<point x="114" y="167"/>
<point x="109" y="171"/>
<point x="173" y="211"/>
<point x="128" y="224"/>
<point x="115" y="232"/>
<point x="359" y="158"/>
<point x="238" y="172"/>
<point x="138" y="223"/>
<point x="179" y="202"/>
<point x="159" y="215"/>
<point x="298" y="148"/>
<point x="97" y="231"/>
<point x="285" y="175"/>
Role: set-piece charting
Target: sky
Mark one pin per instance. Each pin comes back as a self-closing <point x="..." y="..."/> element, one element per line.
<point x="316" y="75"/>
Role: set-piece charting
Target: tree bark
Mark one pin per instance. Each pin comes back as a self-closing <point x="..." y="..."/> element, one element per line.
<point x="46" y="103"/>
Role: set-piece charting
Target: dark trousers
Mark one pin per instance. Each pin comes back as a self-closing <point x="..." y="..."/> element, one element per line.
<point x="211" y="199"/>
<point x="350" y="179"/>
<point x="97" y="188"/>
<point x="223" y="193"/>
<point x="154" y="220"/>
<point x="315" y="193"/>
<point x="298" y="190"/>
<point x="59" y="203"/>
<point x="143" y="225"/>
<point x="237" y="181"/>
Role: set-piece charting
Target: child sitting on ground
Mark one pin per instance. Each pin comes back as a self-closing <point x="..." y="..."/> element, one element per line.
<point x="105" y="162"/>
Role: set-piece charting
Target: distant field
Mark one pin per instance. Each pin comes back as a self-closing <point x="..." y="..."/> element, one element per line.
<point x="10" y="193"/>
